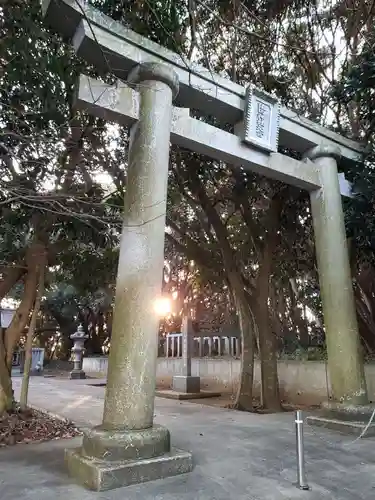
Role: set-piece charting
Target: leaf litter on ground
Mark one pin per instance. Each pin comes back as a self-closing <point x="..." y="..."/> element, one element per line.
<point x="31" y="426"/>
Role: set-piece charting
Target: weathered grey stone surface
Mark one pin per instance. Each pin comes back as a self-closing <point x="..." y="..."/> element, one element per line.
<point x="120" y="104"/>
<point x="186" y="386"/>
<point x="115" y="445"/>
<point x="237" y="455"/>
<point x="166" y="393"/>
<point x="184" y="383"/>
<point x="187" y="351"/>
<point x="355" y="428"/>
<point x="79" y="338"/>
<point x="348" y="419"/>
<point x="126" y="448"/>
<point x="102" y="475"/>
<point x="130" y="390"/>
<point x="348" y="412"/>
<point x="345" y="361"/>
<point x="77" y="374"/>
<point x="200" y="88"/>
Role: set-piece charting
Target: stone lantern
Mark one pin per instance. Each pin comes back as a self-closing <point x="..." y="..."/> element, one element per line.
<point x="79" y="338"/>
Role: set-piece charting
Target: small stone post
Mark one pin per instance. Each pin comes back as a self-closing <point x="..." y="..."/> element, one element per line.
<point x="209" y="340"/>
<point x="345" y="361"/>
<point x="167" y="346"/>
<point x="226" y="346"/>
<point x="79" y="338"/>
<point x="200" y="348"/>
<point x="179" y="342"/>
<point x="238" y="348"/>
<point x="128" y="448"/>
<point x="173" y="343"/>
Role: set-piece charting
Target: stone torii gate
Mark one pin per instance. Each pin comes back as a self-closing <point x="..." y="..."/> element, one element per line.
<point x="128" y="447"/>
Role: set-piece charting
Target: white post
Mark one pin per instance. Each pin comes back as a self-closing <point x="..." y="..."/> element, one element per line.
<point x="209" y="346"/>
<point x="201" y="340"/>
<point x="167" y="348"/>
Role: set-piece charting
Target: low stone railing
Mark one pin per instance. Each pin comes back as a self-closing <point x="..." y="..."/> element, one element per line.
<point x="213" y="345"/>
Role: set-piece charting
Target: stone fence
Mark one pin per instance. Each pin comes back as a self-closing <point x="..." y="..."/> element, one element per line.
<point x="203" y="345"/>
<point x="304" y="382"/>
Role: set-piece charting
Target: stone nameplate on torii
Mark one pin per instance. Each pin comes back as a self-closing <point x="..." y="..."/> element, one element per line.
<point x="261" y="119"/>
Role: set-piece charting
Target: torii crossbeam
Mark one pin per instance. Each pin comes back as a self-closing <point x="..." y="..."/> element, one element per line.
<point x="128" y="447"/>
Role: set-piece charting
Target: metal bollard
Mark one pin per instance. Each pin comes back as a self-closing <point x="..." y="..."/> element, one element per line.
<point x="301" y="473"/>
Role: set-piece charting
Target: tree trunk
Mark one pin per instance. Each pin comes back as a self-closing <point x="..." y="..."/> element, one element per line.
<point x="244" y="399"/>
<point x="19" y="321"/>
<point x="29" y="339"/>
<point x="65" y="350"/>
<point x="6" y="395"/>
<point x="11" y="277"/>
<point x="244" y="396"/>
<point x="270" y="394"/>
<point x="17" y="325"/>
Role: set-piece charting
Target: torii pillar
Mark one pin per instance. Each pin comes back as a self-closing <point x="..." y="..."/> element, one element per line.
<point x="127" y="447"/>
<point x="349" y="409"/>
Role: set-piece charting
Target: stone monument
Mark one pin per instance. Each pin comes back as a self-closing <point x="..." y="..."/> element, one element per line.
<point x="186" y="386"/>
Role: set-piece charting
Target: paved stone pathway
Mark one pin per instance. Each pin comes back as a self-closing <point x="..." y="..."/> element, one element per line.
<point x="237" y="455"/>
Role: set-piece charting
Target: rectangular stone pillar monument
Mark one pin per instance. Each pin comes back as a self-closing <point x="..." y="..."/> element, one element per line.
<point x="186" y="383"/>
<point x="128" y="448"/>
<point x="187" y="386"/>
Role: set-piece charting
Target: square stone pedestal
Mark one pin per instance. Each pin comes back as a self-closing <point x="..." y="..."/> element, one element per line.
<point x="77" y="375"/>
<point x="347" y="419"/>
<point x="186" y="387"/>
<point x="111" y="459"/>
<point x="101" y="475"/>
<point x="182" y="383"/>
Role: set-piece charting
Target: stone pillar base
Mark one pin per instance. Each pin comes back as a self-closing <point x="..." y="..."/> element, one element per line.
<point x="347" y="419"/>
<point x="113" y="458"/>
<point x="77" y="375"/>
<point x="183" y="383"/>
<point x="100" y="475"/>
